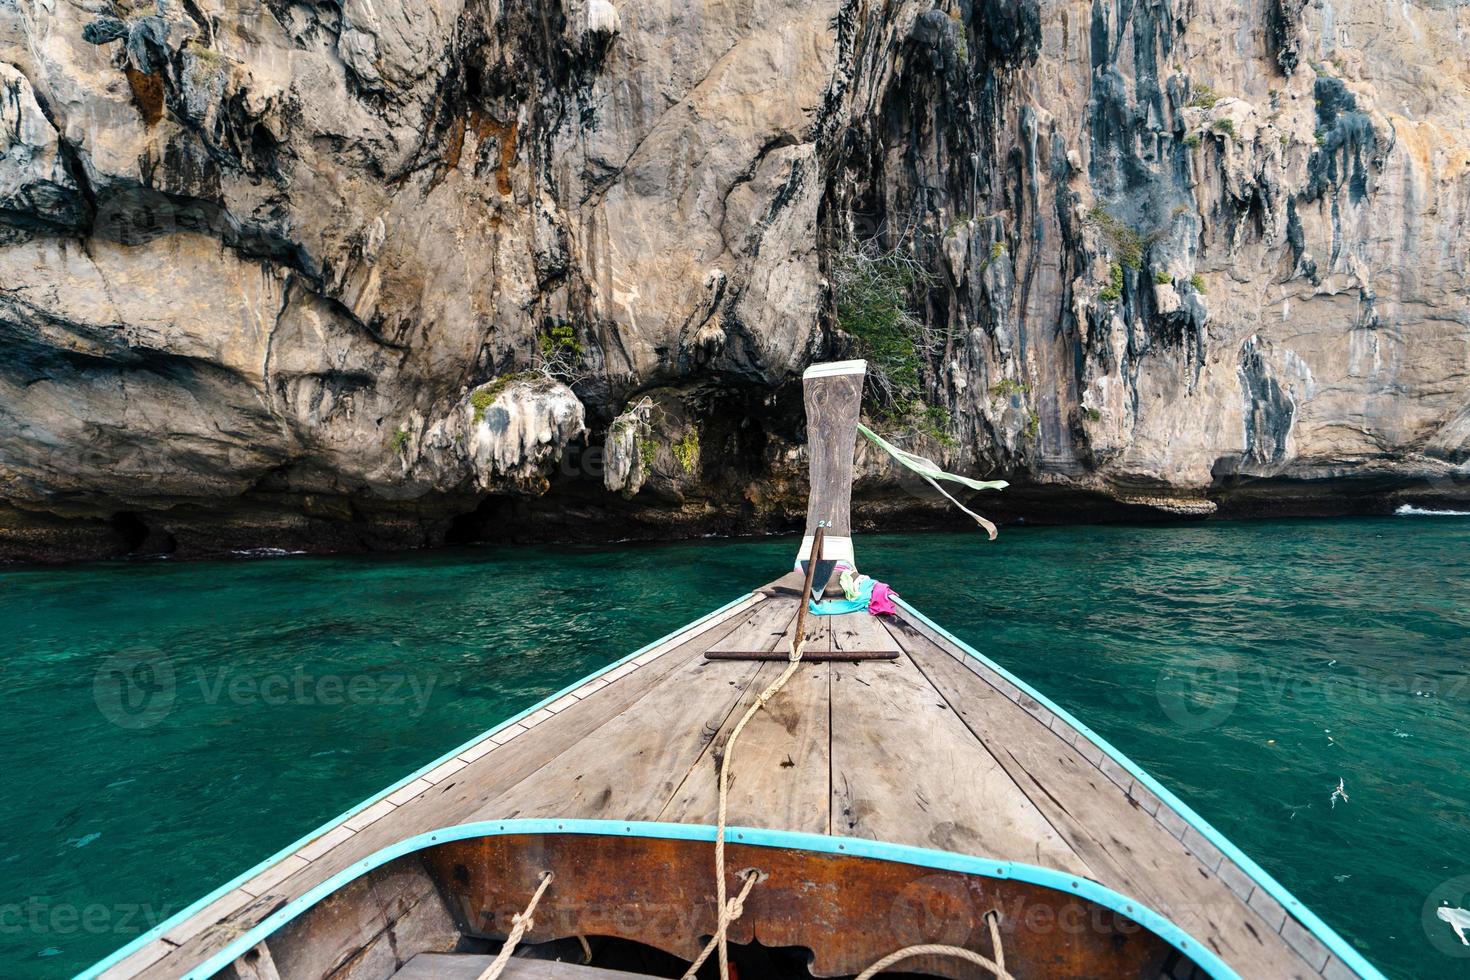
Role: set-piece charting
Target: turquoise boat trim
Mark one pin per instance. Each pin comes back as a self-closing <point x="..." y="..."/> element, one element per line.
<point x="1200" y="954"/>
<point x="142" y="940"/>
<point x="1321" y="930"/>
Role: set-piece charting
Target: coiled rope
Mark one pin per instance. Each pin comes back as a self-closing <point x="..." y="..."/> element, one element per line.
<point x="519" y="924"/>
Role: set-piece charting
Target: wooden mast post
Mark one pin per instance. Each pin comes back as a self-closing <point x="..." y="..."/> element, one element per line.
<point x="834" y="397"/>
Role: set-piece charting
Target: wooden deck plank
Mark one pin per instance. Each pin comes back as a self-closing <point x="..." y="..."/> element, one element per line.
<point x="918" y="751"/>
<point x="780" y="750"/>
<point x="1129" y="851"/>
<point x="907" y="771"/>
<point x="217" y="932"/>
<point x="781" y="776"/>
<point x="629" y="767"/>
<point x="789" y="585"/>
<point x="461" y="797"/>
<point x="471" y="793"/>
<point x="818" y="637"/>
<point x="769" y="632"/>
<point x="766" y="627"/>
<point x="1036" y="758"/>
<point x="861" y="632"/>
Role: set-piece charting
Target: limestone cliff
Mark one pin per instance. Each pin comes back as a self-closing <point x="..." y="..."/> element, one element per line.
<point x="390" y="273"/>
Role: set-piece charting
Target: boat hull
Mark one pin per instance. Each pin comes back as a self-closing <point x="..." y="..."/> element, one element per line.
<point x="845" y="903"/>
<point x="938" y="758"/>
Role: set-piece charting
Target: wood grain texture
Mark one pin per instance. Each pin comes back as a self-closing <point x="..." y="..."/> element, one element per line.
<point x="256" y="964"/>
<point x="906" y="770"/>
<point x="917" y="750"/>
<point x="1127" y="849"/>
<point x="462" y="797"/>
<point x="629" y="767"/>
<point x="368" y="929"/>
<point x="781" y="775"/>
<point x="832" y="407"/>
<point x="848" y="911"/>
<point x="861" y="633"/>
<point x="766" y="630"/>
<point x="767" y="636"/>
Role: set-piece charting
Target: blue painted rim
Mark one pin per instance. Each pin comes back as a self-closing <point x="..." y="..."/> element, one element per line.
<point x="1201" y="955"/>
<point x="1294" y="907"/>
<point x="1350" y="956"/>
<point x="183" y="914"/>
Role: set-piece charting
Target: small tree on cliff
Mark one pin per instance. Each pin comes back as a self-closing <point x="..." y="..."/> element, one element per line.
<point x="871" y="287"/>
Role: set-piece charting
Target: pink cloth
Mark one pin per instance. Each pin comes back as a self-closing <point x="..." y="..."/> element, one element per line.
<point x="881" y="603"/>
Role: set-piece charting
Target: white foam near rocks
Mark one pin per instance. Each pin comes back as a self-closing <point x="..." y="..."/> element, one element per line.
<point x="1409" y="510"/>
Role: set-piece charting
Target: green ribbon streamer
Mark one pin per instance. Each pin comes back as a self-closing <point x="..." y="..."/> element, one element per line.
<point x="930" y="472"/>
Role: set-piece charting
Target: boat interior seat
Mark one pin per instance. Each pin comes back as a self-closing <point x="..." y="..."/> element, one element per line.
<point x="469" y="966"/>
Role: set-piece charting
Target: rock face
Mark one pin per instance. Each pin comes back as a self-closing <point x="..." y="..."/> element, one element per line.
<point x="387" y="274"/>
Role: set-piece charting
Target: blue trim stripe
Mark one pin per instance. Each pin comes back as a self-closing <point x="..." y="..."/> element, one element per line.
<point x="821" y="843"/>
<point x="229" y="886"/>
<point x="817" y="843"/>
<point x="1325" y="933"/>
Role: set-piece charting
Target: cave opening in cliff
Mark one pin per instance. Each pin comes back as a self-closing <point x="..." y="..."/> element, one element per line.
<point x="137" y="538"/>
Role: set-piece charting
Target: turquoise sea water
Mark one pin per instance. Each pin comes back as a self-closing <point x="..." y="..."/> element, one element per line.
<point x="168" y="725"/>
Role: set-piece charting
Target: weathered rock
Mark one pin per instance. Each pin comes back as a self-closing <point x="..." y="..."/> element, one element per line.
<point x="507" y="434"/>
<point x="36" y="191"/>
<point x="256" y="260"/>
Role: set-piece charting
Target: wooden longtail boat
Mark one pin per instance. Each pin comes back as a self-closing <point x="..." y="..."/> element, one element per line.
<point x="899" y="790"/>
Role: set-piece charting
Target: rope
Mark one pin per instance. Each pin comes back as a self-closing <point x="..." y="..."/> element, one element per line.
<point x="519" y="925"/>
<point x="730" y="911"/>
<point x="992" y="919"/>
<point x="958" y="952"/>
<point x="996" y="966"/>
<point x="736" y="909"/>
